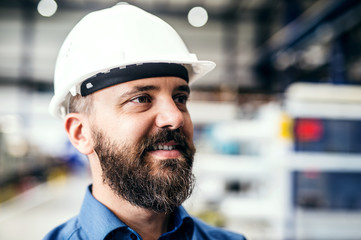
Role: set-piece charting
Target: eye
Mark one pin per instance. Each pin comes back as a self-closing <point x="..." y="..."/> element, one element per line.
<point x="182" y="99"/>
<point x="141" y="99"/>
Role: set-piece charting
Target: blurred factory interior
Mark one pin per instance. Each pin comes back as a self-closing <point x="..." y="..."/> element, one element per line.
<point x="277" y="123"/>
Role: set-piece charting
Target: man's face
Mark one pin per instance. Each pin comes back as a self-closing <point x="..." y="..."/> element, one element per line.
<point x="142" y="134"/>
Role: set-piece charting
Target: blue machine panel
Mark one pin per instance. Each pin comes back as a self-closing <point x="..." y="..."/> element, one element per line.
<point x="327" y="135"/>
<point x="327" y="190"/>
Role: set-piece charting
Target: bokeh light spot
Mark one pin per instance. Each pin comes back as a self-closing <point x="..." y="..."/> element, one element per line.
<point x="47" y="8"/>
<point x="198" y="16"/>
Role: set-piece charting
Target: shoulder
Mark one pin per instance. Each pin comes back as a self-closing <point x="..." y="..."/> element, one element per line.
<point x="205" y="231"/>
<point x="69" y="230"/>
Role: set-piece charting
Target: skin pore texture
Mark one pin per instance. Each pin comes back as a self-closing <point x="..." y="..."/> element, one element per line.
<point x="139" y="141"/>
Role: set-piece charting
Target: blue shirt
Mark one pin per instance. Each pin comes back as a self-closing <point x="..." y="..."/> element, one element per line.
<point x="97" y="222"/>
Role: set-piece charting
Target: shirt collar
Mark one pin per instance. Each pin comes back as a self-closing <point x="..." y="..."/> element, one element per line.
<point x="181" y="220"/>
<point x="98" y="221"/>
<point x="181" y="216"/>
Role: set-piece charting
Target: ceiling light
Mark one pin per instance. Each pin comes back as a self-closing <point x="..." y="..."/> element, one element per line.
<point x="198" y="16"/>
<point x="47" y="8"/>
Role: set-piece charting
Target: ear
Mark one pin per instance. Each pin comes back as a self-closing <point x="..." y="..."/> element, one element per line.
<point x="79" y="133"/>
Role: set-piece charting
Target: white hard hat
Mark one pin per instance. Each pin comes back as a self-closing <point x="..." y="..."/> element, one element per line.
<point x="115" y="38"/>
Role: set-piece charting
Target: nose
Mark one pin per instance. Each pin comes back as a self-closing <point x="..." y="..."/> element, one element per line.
<point x="169" y="116"/>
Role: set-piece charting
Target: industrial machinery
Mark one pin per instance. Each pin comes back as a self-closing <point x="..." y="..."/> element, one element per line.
<point x="292" y="172"/>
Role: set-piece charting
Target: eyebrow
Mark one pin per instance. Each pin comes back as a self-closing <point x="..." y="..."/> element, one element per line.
<point x="138" y="89"/>
<point x="183" y="88"/>
<point x="144" y="88"/>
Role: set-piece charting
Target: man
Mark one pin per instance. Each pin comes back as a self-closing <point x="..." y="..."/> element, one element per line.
<point x="121" y="86"/>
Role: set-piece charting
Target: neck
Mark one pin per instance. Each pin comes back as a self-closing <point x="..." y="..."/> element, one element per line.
<point x="148" y="224"/>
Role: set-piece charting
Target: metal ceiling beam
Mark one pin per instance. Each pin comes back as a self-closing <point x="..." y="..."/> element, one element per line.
<point x="302" y="28"/>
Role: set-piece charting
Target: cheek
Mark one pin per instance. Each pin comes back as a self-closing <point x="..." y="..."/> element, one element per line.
<point x="122" y="127"/>
<point x="188" y="127"/>
<point x="133" y="129"/>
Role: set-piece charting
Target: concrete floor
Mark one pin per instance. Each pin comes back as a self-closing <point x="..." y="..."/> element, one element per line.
<point x="34" y="213"/>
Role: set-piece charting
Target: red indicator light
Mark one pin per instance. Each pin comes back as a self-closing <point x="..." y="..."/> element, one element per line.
<point x="309" y="130"/>
<point x="311" y="174"/>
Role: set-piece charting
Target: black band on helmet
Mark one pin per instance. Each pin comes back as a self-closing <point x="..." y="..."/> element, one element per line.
<point x="130" y="73"/>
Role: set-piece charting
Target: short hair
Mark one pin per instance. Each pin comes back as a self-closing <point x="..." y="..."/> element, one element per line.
<point x="80" y="104"/>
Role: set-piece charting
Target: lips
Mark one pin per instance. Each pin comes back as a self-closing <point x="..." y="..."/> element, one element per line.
<point x="163" y="147"/>
<point x="165" y="150"/>
<point x="166" y="144"/>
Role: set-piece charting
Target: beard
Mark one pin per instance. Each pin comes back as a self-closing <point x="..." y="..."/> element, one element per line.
<point x="159" y="185"/>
